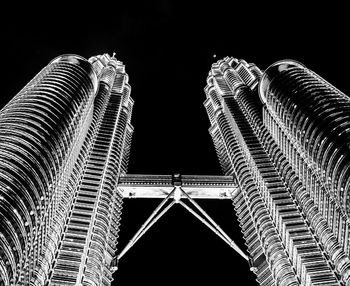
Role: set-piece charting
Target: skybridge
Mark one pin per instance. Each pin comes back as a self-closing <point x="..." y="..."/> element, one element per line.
<point x="178" y="189"/>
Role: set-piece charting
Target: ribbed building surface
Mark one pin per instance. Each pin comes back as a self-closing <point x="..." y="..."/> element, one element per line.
<point x="288" y="150"/>
<point x="64" y="140"/>
<point x="282" y="134"/>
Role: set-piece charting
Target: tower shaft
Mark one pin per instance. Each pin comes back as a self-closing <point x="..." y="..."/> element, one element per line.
<point x="289" y="238"/>
<point x="65" y="141"/>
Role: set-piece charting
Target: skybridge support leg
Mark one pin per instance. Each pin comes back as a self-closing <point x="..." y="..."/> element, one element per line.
<point x="177" y="194"/>
<point x="152" y="219"/>
<point x="211" y="224"/>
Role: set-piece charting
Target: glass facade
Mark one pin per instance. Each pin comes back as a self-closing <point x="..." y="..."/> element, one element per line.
<point x="65" y="138"/>
<point x="288" y="152"/>
<point x="281" y="134"/>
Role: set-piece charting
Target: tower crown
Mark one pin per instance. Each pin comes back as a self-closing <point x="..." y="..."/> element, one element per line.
<point x="79" y="61"/>
<point x="271" y="72"/>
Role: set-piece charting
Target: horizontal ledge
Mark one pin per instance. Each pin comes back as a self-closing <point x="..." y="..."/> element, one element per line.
<point x="162" y="192"/>
<point x="193" y="180"/>
<point x="160" y="186"/>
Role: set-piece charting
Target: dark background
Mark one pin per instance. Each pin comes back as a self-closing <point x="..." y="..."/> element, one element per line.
<point x="168" y="48"/>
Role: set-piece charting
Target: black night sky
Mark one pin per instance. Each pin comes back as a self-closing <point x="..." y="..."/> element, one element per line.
<point x="168" y="48"/>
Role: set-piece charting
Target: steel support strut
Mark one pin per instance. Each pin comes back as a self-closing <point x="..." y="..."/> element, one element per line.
<point x="177" y="193"/>
<point x="211" y="224"/>
<point x="153" y="218"/>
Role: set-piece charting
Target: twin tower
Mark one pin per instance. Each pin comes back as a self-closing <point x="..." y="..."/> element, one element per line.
<point x="283" y="135"/>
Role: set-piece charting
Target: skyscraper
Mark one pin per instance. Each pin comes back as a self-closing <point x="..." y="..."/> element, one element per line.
<point x="283" y="134"/>
<point x="64" y="141"/>
<point x="282" y="141"/>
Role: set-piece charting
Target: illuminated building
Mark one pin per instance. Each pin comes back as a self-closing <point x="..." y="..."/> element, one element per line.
<point x="285" y="140"/>
<point x="65" y="140"/>
<point x="282" y="141"/>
